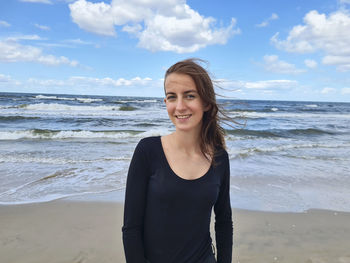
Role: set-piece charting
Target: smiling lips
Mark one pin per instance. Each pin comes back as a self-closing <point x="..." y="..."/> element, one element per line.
<point x="183" y="116"/>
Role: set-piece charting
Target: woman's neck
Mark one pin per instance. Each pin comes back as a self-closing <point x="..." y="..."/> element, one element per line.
<point x="188" y="142"/>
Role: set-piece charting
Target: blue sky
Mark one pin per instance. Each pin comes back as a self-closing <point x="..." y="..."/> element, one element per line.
<point x="272" y="49"/>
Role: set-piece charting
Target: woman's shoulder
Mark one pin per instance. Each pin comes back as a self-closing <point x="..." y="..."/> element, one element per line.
<point x="220" y="152"/>
<point x="149" y="140"/>
<point x="221" y="157"/>
<point x="148" y="143"/>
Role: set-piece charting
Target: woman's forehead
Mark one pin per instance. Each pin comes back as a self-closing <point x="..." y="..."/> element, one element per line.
<point x="176" y="81"/>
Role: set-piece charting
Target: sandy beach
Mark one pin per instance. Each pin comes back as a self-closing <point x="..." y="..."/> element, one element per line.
<point x="81" y="232"/>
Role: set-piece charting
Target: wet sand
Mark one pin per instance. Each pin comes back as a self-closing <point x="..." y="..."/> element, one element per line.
<point x="82" y="232"/>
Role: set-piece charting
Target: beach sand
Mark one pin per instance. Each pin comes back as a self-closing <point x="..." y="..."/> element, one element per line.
<point x="83" y="232"/>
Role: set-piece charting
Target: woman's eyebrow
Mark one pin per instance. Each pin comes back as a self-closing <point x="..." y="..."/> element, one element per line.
<point x="187" y="91"/>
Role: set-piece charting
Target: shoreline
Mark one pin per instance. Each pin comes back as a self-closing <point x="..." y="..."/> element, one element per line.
<point x="90" y="231"/>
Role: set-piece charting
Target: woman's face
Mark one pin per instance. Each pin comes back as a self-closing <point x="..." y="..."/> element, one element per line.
<point x="184" y="105"/>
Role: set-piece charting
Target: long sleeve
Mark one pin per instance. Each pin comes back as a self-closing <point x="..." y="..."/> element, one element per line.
<point x="134" y="208"/>
<point x="223" y="219"/>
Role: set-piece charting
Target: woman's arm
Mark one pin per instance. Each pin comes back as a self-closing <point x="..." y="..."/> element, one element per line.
<point x="223" y="218"/>
<point x="134" y="208"/>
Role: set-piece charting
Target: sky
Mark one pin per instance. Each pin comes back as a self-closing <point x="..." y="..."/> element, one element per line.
<point x="259" y="50"/>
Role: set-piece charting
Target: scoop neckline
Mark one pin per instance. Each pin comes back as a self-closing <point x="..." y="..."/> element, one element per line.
<point x="172" y="171"/>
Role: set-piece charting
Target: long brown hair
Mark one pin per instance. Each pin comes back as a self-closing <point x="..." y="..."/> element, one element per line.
<point x="211" y="134"/>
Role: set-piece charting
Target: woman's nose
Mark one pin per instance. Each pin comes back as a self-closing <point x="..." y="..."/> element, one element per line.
<point x="180" y="105"/>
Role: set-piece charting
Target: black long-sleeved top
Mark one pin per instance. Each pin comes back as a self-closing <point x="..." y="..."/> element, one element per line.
<point x="166" y="217"/>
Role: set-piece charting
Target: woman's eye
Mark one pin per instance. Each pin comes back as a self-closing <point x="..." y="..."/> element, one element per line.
<point x="170" y="97"/>
<point x="190" y="96"/>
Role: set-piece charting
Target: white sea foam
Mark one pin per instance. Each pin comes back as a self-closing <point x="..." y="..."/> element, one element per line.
<point x="51" y="197"/>
<point x="32" y="134"/>
<point x="64" y="110"/>
<point x="135" y="101"/>
<point x="311" y="105"/>
<point x="43" y="97"/>
<point x="292" y="115"/>
<point x="69" y="134"/>
<point x="85" y="100"/>
<point x="242" y="153"/>
<point x="46" y="97"/>
<point x="64" y="107"/>
<point x="88" y="100"/>
<point x="63" y="183"/>
<point x="90" y="135"/>
<point x="47" y="160"/>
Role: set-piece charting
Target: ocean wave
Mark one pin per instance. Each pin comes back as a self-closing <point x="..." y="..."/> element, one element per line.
<point x="85" y="100"/>
<point x="88" y="100"/>
<point x="63" y="183"/>
<point x="65" y="107"/>
<point x="135" y="101"/>
<point x="78" y="134"/>
<point x="305" y="114"/>
<point x="244" y="153"/>
<point x="52" y="197"/>
<point x="43" y="97"/>
<point x="279" y="132"/>
<point x="48" y="160"/>
<point x="17" y="118"/>
<point x="323" y="158"/>
<point x="70" y="134"/>
<point x="64" y="110"/>
<point x="246" y="132"/>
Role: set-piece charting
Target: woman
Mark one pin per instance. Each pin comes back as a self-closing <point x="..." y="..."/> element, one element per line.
<point x="175" y="180"/>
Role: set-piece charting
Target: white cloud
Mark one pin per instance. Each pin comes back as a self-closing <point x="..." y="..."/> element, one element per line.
<point x="137" y="81"/>
<point x="42" y="27"/>
<point x="271" y="84"/>
<point x="4" y="24"/>
<point x="93" y="17"/>
<point x="266" y="22"/>
<point x="79" y="81"/>
<point x="273" y="64"/>
<point x="137" y="86"/>
<point x="12" y="51"/>
<point x="7" y="80"/>
<point x="23" y="37"/>
<point x="133" y="29"/>
<point x="68" y="43"/>
<point x="38" y="1"/>
<point x="274" y="16"/>
<point x="344" y="1"/>
<point x="160" y="25"/>
<point x="310" y="63"/>
<point x="4" y="78"/>
<point x="77" y="41"/>
<point x="327" y="90"/>
<point x="342" y="62"/>
<point x="328" y="34"/>
<point x="345" y="91"/>
<point x="258" y="85"/>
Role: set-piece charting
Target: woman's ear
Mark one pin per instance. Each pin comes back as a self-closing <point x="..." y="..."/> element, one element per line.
<point x="207" y="107"/>
<point x="164" y="100"/>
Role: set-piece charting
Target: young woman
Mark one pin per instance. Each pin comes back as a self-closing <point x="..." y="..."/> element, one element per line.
<point x="174" y="181"/>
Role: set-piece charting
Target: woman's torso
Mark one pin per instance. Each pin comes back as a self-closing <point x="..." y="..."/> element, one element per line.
<point x="177" y="213"/>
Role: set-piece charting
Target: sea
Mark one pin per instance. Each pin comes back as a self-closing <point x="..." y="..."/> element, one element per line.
<point x="284" y="155"/>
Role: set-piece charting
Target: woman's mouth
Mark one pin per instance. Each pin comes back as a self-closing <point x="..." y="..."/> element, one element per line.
<point x="183" y="116"/>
